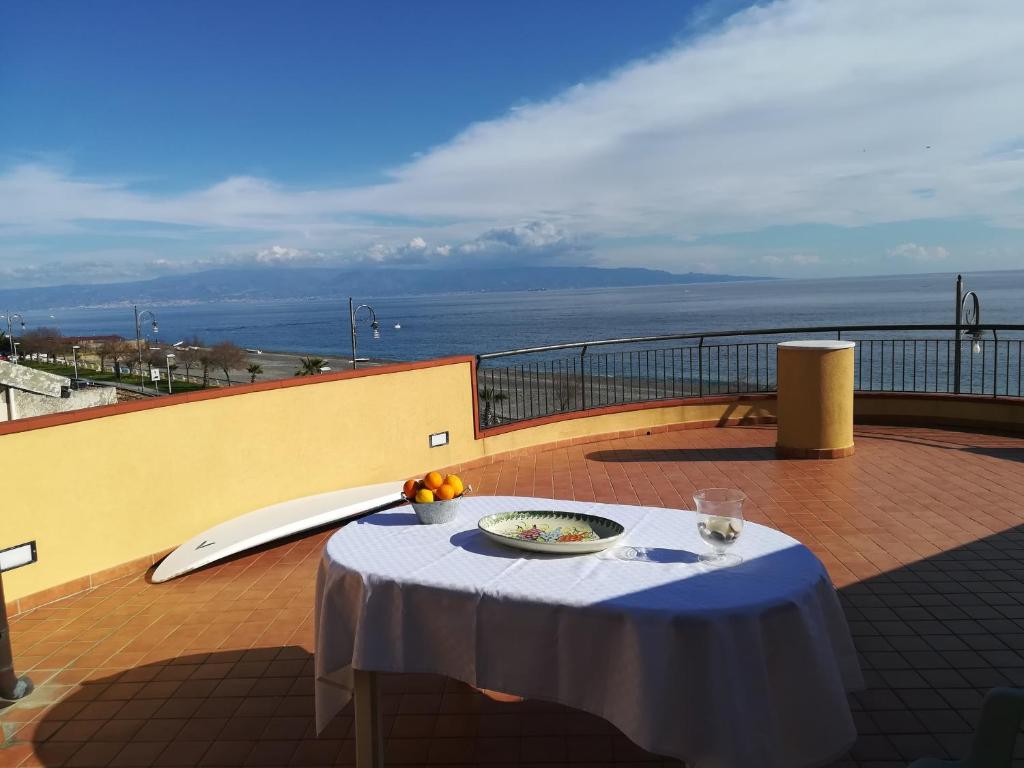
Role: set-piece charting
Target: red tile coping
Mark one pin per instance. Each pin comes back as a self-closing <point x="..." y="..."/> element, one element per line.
<point x="785" y="452"/>
<point x="86" y="414"/>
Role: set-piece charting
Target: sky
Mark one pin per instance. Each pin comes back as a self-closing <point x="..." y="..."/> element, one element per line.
<point x="795" y="138"/>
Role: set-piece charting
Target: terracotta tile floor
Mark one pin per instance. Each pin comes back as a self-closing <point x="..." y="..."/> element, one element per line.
<point x="921" y="530"/>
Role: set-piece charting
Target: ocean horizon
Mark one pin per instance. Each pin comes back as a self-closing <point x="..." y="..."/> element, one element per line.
<point x="480" y="322"/>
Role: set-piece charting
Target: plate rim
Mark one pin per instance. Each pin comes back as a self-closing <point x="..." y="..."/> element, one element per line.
<point x="554" y="512"/>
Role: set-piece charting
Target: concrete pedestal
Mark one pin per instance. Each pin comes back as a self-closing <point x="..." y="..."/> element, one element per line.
<point x="815" y="399"/>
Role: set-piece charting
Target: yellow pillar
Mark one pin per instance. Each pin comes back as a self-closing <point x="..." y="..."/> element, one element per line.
<point x="815" y="400"/>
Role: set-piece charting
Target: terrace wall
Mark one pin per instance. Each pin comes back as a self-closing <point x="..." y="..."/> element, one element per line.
<point x="113" y="487"/>
<point x="107" y="491"/>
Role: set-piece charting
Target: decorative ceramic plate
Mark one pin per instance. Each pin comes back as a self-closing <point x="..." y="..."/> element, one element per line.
<point x="565" y="533"/>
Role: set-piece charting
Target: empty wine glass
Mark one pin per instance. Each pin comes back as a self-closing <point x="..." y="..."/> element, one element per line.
<point x="720" y="522"/>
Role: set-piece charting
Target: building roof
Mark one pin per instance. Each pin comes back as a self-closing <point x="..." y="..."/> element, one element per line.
<point x="31" y="380"/>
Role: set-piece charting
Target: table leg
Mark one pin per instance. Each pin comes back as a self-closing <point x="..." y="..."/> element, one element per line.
<point x="369" y="729"/>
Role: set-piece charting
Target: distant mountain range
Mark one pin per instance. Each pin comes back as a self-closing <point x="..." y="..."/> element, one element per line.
<point x="265" y="283"/>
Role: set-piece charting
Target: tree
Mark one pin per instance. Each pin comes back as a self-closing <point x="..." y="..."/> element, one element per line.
<point x="310" y="366"/>
<point x="42" y="341"/>
<point x="123" y="352"/>
<point x="189" y="353"/>
<point x="227" y="356"/>
<point x="490" y="398"/>
<point x="206" y="362"/>
<point x="156" y="358"/>
<point x="254" y="370"/>
<point x="104" y="351"/>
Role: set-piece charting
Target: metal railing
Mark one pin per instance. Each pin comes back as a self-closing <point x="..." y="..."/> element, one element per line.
<point x="559" y="378"/>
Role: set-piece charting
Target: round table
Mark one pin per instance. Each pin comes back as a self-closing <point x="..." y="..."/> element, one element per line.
<point x="732" y="667"/>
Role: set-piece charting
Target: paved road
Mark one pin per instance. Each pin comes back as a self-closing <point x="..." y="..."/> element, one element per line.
<point x="282" y="365"/>
<point x="275" y="365"/>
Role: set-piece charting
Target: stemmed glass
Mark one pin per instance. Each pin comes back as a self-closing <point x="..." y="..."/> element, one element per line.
<point x="719" y="523"/>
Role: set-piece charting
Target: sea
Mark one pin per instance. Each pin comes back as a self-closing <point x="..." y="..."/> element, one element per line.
<point x="476" y="323"/>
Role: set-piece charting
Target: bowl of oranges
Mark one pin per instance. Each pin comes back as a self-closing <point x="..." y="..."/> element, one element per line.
<point x="435" y="497"/>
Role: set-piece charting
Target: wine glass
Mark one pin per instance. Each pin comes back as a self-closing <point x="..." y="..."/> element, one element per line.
<point x="719" y="523"/>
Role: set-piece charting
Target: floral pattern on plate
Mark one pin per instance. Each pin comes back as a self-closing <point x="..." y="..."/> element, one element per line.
<point x="550" y="531"/>
<point x="559" y="534"/>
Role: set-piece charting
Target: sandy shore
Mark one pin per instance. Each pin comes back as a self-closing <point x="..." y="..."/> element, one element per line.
<point x="282" y="365"/>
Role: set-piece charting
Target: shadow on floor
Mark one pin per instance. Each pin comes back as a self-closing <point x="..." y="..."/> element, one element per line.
<point x="627" y="455"/>
<point x="1009" y="454"/>
<point x="933" y="637"/>
<point x="255" y="707"/>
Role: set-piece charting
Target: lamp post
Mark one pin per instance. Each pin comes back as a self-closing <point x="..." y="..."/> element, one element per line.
<point x="374" y="325"/>
<point x="170" y="387"/>
<point x="12" y="687"/>
<point x="968" y="312"/>
<point x="74" y="357"/>
<point x="139" y="316"/>
<point x="10" y="333"/>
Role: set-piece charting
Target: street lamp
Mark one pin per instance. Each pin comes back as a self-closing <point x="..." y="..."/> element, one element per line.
<point x="139" y="316"/>
<point x="374" y="325"/>
<point x="10" y="333"/>
<point x="74" y="357"/>
<point x="12" y="687"/>
<point x="170" y="387"/>
<point x="968" y="313"/>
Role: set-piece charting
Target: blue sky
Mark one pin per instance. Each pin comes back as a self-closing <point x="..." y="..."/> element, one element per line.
<point x="798" y="137"/>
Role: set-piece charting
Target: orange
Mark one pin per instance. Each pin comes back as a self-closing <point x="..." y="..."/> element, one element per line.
<point x="433" y="481"/>
<point x="455" y="482"/>
<point x="424" y="495"/>
<point x="445" y="492"/>
<point x="410" y="488"/>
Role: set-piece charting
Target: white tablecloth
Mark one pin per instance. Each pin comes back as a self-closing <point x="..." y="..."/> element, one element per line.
<point x="729" y="668"/>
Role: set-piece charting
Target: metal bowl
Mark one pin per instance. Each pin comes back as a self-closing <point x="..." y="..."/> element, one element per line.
<point x="437" y="512"/>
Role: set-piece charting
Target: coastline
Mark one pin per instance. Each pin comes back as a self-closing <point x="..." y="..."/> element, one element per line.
<point x="279" y="364"/>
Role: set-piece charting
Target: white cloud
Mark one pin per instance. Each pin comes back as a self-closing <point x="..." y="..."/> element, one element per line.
<point x="530" y="241"/>
<point x="415" y="251"/>
<point x="779" y="259"/>
<point x="801" y="111"/>
<point x="919" y="253"/>
<point x="805" y="259"/>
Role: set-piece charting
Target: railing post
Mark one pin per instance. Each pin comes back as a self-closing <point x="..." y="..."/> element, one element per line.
<point x="583" y="380"/>
<point x="700" y="368"/>
<point x="995" y="364"/>
<point x="956" y="335"/>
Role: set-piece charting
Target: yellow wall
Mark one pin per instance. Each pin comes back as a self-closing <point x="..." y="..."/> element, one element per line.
<point x="97" y="493"/>
<point x="623" y="421"/>
<point x="106" y="491"/>
<point x="969" y="411"/>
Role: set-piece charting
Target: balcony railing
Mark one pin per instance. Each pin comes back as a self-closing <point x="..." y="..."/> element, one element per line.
<point x="524" y="384"/>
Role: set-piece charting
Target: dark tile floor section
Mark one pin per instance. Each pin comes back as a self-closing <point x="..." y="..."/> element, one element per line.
<point x="921" y="531"/>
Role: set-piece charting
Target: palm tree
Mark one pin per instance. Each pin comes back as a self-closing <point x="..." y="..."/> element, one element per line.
<point x="310" y="366"/>
<point x="254" y="370"/>
<point x="490" y="398"/>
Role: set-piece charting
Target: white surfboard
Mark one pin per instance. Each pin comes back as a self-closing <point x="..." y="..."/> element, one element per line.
<point x="274" y="522"/>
